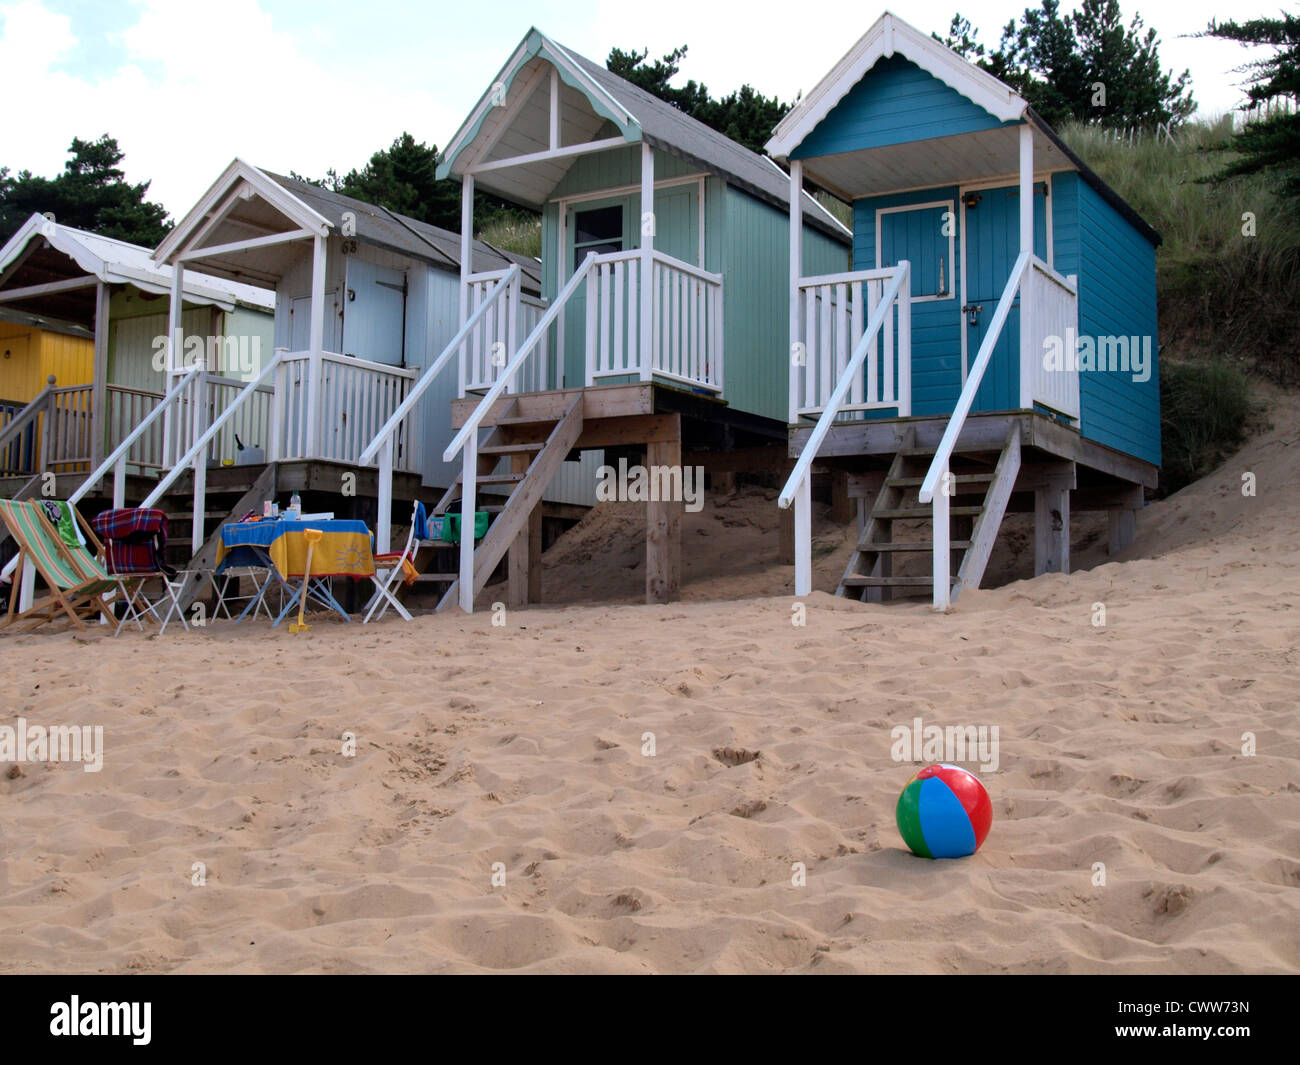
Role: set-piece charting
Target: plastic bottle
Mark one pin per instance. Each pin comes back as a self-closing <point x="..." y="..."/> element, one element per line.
<point x="295" y="507"/>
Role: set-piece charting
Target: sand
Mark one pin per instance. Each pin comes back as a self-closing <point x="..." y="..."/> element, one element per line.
<point x="503" y="812"/>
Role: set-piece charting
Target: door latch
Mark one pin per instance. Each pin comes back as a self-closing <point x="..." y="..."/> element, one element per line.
<point x="972" y="312"/>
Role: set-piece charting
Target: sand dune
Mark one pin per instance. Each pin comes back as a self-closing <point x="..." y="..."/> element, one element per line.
<point x="524" y="745"/>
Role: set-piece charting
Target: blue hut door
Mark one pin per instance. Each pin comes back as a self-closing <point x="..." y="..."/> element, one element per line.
<point x="992" y="221"/>
<point x="374" y="313"/>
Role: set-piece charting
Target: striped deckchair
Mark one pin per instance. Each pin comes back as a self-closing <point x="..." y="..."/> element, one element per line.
<point x="74" y="578"/>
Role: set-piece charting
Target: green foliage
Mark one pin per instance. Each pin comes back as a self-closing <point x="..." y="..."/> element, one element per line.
<point x="746" y="115"/>
<point x="1086" y="65"/>
<point x="1271" y="143"/>
<point x="1228" y="272"/>
<point x="1205" y="412"/>
<point x="516" y="231"/>
<point x="91" y="193"/>
<point x="403" y="178"/>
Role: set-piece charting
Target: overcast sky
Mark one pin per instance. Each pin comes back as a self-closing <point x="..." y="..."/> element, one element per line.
<point x="186" y="85"/>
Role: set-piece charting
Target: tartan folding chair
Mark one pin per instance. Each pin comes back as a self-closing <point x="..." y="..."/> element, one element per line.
<point x="389" y="569"/>
<point x="75" y="580"/>
<point x="135" y="544"/>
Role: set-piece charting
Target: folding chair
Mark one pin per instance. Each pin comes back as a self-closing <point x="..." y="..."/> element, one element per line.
<point x="135" y="544"/>
<point x="221" y="588"/>
<point x="389" y="569"/>
<point x="75" y="580"/>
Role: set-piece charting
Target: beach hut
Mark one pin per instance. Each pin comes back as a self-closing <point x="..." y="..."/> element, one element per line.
<point x="993" y="347"/>
<point x="90" y="313"/>
<point x="365" y="298"/>
<point x="663" y="252"/>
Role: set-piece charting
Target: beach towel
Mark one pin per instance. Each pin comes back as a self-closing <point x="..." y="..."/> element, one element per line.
<point x="421" y="523"/>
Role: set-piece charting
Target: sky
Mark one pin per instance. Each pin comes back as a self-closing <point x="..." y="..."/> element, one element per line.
<point x="305" y="85"/>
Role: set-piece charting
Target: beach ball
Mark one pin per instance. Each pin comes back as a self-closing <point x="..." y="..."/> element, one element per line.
<point x="944" y="812"/>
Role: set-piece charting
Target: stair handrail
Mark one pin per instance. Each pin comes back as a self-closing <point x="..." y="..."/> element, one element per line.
<point x="118" y="457"/>
<point x="832" y="409"/>
<point x="798" y="486"/>
<point x="43" y="400"/>
<point x="427" y="378"/>
<point x="465" y="442"/>
<point x="940" y="547"/>
<point x="116" y="461"/>
<point x="199" y="445"/>
<point x="974" y="378"/>
<point x="383" y="444"/>
<point x="525" y="349"/>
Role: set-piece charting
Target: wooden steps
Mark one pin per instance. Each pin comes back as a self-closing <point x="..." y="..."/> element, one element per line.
<point x="516" y="527"/>
<point x="973" y="524"/>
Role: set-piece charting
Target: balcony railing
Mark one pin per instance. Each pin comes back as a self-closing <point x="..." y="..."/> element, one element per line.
<point x="833" y="312"/>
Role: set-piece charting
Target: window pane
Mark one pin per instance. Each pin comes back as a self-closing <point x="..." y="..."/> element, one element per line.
<point x="603" y="224"/>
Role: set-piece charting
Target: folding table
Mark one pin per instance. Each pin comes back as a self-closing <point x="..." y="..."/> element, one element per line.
<point x="280" y="548"/>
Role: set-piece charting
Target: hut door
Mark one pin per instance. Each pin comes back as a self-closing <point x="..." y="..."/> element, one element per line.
<point x="602" y="226"/>
<point x="374" y="313"/>
<point x="992" y="221"/>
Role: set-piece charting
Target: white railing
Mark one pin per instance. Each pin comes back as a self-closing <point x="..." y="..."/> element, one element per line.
<point x="1049" y="308"/>
<point x="196" y="456"/>
<point x="798" y="489"/>
<point x="613" y="316"/>
<point x="465" y="443"/>
<point x="383" y="445"/>
<point x="542" y="371"/>
<point x="65" y="439"/>
<point x="354" y="398"/>
<point x="686" y="322"/>
<point x="486" y="348"/>
<point x="833" y="313"/>
<point x="127" y="408"/>
<point x="117" y="462"/>
<point x="68" y="437"/>
<point x="937" y="476"/>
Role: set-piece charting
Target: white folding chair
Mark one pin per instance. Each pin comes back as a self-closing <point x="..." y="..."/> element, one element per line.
<point x="388" y="571"/>
<point x="221" y="586"/>
<point x="138" y="603"/>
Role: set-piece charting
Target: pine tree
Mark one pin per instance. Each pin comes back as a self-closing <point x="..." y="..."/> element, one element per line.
<point x="1086" y="65"/>
<point x="1271" y="143"/>
<point x="91" y="193"/>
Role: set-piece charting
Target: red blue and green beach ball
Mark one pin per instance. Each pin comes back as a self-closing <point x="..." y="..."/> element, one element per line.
<point x="944" y="812"/>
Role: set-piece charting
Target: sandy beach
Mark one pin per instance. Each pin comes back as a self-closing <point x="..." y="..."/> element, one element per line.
<point x="504" y="810"/>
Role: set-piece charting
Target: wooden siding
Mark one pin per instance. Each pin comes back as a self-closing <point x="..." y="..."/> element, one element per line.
<point x="756" y="300"/>
<point x="1117" y="297"/>
<point x="894" y="103"/>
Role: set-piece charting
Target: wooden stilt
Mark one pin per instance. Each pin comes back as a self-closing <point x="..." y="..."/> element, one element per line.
<point x="663" y="544"/>
<point x="524" y="560"/>
<point x="1051" y="530"/>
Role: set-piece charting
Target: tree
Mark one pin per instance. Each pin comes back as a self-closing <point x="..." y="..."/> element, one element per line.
<point x="1086" y="66"/>
<point x="91" y="193"/>
<point x="403" y="178"/>
<point x="746" y="115"/>
<point x="1271" y="143"/>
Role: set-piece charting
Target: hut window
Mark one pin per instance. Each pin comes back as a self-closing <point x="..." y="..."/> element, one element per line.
<point x="599" y="230"/>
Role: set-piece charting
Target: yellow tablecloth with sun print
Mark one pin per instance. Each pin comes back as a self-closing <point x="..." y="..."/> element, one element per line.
<point x="344" y="549"/>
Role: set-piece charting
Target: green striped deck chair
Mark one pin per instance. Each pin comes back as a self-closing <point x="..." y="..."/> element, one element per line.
<point x="75" y="580"/>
